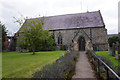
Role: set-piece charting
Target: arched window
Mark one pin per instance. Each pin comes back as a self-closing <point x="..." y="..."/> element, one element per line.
<point x="59" y="39"/>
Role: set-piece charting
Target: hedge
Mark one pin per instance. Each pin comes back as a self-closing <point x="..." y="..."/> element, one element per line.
<point x="64" y="67"/>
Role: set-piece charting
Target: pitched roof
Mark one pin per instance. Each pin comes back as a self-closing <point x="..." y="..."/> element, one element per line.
<point x="70" y="21"/>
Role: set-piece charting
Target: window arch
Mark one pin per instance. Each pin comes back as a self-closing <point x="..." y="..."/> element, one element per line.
<point x="59" y="39"/>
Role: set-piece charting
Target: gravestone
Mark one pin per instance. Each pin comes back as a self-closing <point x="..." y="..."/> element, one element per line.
<point x="112" y="50"/>
<point x="118" y="48"/>
<point x="118" y="53"/>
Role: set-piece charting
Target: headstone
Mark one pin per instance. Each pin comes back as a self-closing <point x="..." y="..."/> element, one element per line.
<point x="112" y="50"/>
<point x="118" y="47"/>
<point x="117" y="56"/>
<point x="118" y="53"/>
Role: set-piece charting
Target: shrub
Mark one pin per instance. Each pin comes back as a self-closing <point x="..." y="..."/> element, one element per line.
<point x="49" y="44"/>
<point x="64" y="47"/>
<point x="62" y="68"/>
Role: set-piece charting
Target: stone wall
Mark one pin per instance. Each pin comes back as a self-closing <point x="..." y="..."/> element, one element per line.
<point x="98" y="37"/>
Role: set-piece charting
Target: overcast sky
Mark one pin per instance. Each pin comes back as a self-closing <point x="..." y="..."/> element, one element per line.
<point x="32" y="8"/>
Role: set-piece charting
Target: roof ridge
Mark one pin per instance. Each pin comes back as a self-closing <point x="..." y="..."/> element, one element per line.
<point x="65" y="14"/>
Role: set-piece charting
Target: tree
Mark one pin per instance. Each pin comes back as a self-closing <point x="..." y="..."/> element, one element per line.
<point x="49" y="44"/>
<point x="112" y="40"/>
<point x="4" y="33"/>
<point x="33" y="36"/>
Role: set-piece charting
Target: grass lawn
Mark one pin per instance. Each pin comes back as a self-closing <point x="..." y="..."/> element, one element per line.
<point x="23" y="65"/>
<point x="107" y="55"/>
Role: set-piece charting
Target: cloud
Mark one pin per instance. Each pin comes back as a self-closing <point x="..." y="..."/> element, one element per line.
<point x="31" y="8"/>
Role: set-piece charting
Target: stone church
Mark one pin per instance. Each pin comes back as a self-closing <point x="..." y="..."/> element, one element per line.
<point x="79" y="32"/>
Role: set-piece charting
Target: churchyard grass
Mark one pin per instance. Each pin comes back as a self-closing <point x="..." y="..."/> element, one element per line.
<point x="106" y="54"/>
<point x="24" y="64"/>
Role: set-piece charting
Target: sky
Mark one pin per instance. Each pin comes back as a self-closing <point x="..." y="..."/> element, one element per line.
<point x="33" y="8"/>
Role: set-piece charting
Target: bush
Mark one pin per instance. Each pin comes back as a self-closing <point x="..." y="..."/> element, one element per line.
<point x="62" y="68"/>
<point x="64" y="47"/>
<point x="46" y="45"/>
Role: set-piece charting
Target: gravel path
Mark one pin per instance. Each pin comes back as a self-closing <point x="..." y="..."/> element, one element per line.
<point x="83" y="67"/>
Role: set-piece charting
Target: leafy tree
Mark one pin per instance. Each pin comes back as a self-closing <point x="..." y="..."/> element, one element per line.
<point x="49" y="44"/>
<point x="33" y="37"/>
<point x="21" y="44"/>
<point x="112" y="40"/>
<point x="4" y="33"/>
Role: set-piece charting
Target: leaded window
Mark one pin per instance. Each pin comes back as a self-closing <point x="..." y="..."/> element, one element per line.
<point x="59" y="39"/>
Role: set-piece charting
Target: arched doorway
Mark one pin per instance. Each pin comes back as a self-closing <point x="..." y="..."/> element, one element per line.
<point x="81" y="44"/>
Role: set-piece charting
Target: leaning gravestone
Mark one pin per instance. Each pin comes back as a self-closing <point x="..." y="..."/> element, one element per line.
<point x="118" y="49"/>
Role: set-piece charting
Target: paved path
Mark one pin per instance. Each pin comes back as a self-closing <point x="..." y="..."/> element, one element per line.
<point x="83" y="67"/>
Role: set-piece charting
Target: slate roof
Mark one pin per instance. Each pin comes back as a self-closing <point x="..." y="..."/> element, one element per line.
<point x="70" y="21"/>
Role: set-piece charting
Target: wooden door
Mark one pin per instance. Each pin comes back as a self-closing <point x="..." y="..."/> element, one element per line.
<point x="81" y="42"/>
